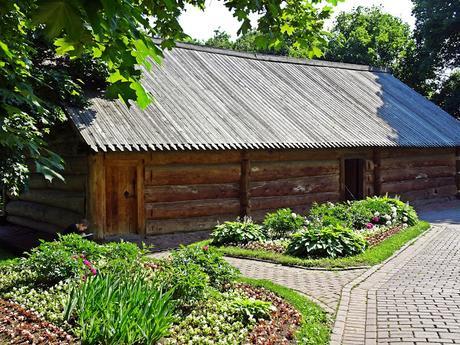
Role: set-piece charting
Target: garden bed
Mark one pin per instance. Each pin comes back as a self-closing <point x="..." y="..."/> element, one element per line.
<point x="73" y="290"/>
<point x="332" y="236"/>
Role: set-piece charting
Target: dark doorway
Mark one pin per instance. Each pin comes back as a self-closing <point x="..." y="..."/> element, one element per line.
<point x="354" y="179"/>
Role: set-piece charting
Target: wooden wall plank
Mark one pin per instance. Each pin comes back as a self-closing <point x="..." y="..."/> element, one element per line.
<point x="166" y="226"/>
<point x="245" y="207"/>
<point x="411" y="185"/>
<point x="446" y="160"/>
<point x="295" y="186"/>
<point x="416" y="173"/>
<point x="192" y="174"/>
<point x="292" y="200"/>
<point x="307" y="154"/>
<point x="66" y="200"/>
<point x="191" y="192"/>
<point x="96" y="194"/>
<point x="414" y="152"/>
<point x="195" y="157"/>
<point x="195" y="208"/>
<point x="72" y="183"/>
<point x="265" y="171"/>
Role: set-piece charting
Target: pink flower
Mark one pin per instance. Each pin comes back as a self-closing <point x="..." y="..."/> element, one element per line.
<point x="376" y="219"/>
<point x="205" y="248"/>
<point x="369" y="225"/>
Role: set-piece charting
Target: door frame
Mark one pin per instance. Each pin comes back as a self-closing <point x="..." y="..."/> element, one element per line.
<point x="362" y="157"/>
<point x="97" y="204"/>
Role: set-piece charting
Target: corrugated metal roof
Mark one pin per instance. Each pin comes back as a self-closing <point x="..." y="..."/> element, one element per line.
<point x="214" y="99"/>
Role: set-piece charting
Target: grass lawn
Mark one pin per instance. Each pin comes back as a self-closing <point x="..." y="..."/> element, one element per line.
<point x="370" y="257"/>
<point x="315" y="327"/>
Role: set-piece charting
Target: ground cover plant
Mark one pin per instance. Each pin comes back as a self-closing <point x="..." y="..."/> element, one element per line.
<point x="82" y="292"/>
<point x="363" y="232"/>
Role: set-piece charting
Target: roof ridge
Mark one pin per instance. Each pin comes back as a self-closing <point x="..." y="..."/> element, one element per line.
<point x="276" y="58"/>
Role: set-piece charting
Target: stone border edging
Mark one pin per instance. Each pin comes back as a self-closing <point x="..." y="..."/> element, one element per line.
<point x="333" y="269"/>
<point x="342" y="310"/>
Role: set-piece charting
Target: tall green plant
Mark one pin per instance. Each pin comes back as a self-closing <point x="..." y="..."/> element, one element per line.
<point x="120" y="310"/>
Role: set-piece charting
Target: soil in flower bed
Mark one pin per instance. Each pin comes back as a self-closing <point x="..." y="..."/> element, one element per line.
<point x="375" y="239"/>
<point x="268" y="246"/>
<point x="283" y="323"/>
<point x="20" y="326"/>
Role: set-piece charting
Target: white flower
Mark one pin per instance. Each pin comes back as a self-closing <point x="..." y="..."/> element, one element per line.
<point x="293" y="215"/>
<point x="388" y="223"/>
<point x="393" y="209"/>
<point x="405" y="219"/>
<point x="404" y="225"/>
<point x="387" y="217"/>
<point x="376" y="214"/>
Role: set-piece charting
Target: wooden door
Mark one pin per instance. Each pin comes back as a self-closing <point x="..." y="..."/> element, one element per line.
<point x="354" y="179"/>
<point x="121" y="198"/>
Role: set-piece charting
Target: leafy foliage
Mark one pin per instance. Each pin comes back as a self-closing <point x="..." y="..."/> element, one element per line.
<point x="237" y="232"/>
<point x="121" y="310"/>
<point x="370" y="36"/>
<point x="330" y="241"/>
<point x="448" y="96"/>
<point x="44" y="43"/>
<point x="219" y="271"/>
<point x="282" y="223"/>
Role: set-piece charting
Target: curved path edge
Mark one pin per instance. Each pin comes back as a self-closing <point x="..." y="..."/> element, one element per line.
<point x="357" y="306"/>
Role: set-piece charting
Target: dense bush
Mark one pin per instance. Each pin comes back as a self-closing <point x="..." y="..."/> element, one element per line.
<point x="330" y="214"/>
<point x="237" y="232"/>
<point x="222" y="319"/>
<point x="282" y="223"/>
<point x="122" y="310"/>
<point x="317" y="241"/>
<point x="219" y="271"/>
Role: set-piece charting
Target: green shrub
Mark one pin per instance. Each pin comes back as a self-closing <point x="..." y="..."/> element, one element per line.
<point x="282" y="223"/>
<point x="330" y="214"/>
<point x="330" y="241"/>
<point x="222" y="319"/>
<point x="115" y="310"/>
<point x="406" y="212"/>
<point x="219" y="271"/>
<point x="187" y="280"/>
<point x="237" y="232"/>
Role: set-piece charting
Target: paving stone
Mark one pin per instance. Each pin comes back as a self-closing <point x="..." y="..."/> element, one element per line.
<point x="416" y="294"/>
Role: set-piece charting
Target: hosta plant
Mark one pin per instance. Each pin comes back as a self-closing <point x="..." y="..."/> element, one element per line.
<point x="237" y="232"/>
<point x="326" y="242"/>
<point x="282" y="223"/>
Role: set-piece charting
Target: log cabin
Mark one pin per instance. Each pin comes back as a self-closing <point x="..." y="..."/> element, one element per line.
<point x="232" y="134"/>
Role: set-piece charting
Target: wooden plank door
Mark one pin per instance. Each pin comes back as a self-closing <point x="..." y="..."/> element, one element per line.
<point x="121" y="197"/>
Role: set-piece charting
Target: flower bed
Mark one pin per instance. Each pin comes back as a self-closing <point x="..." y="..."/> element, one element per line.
<point x="73" y="290"/>
<point x="329" y="232"/>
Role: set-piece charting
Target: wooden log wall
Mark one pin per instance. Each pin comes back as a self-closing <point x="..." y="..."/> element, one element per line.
<point x="187" y="191"/>
<point x="418" y="174"/>
<point x="51" y="207"/>
<point x="293" y="179"/>
<point x="457" y="159"/>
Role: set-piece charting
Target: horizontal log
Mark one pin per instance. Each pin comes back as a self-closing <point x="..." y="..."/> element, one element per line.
<point x="66" y="200"/>
<point x="430" y="193"/>
<point x="416" y="173"/>
<point x="192" y="208"/>
<point x="192" y="174"/>
<point x="196" y="157"/>
<point x="42" y="213"/>
<point x="72" y="183"/>
<point x="266" y="171"/>
<point x="410" y="185"/>
<point x="191" y="192"/>
<point x="34" y="224"/>
<point x="157" y="227"/>
<point x="308" y="154"/>
<point x="414" y="152"/>
<point x="291" y="200"/>
<point x="415" y="162"/>
<point x="295" y="186"/>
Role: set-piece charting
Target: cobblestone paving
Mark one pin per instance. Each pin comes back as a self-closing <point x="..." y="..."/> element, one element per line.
<point x="414" y="298"/>
<point x="323" y="287"/>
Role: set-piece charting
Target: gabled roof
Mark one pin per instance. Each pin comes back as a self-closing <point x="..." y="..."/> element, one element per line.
<point x="207" y="98"/>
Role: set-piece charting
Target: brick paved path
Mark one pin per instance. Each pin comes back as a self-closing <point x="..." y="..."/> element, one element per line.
<point x="414" y="298"/>
<point x="323" y="287"/>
